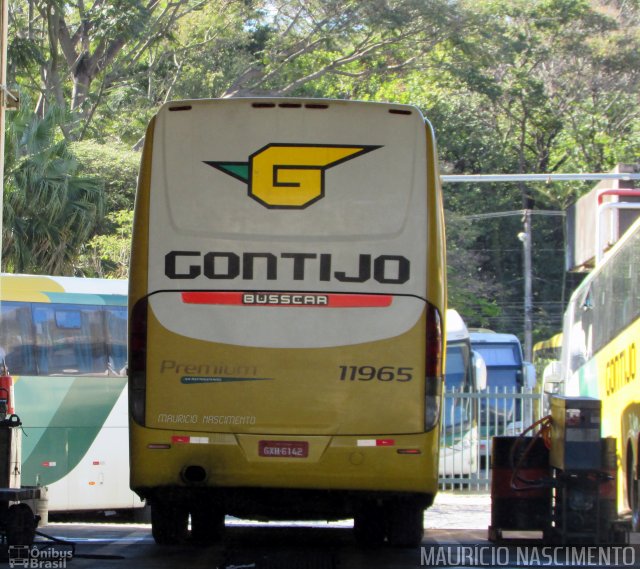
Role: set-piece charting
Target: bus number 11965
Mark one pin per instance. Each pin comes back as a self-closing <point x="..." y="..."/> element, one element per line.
<point x="369" y="373"/>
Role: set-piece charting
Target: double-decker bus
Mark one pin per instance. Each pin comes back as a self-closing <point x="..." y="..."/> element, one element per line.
<point x="64" y="341"/>
<point x="287" y="307"/>
<point x="600" y="343"/>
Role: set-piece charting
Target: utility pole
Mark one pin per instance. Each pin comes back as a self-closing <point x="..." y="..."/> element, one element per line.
<point x="526" y="239"/>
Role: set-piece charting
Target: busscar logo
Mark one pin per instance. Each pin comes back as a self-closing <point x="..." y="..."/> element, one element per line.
<point x="289" y="176"/>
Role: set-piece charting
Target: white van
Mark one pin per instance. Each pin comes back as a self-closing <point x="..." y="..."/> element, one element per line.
<point x="465" y="374"/>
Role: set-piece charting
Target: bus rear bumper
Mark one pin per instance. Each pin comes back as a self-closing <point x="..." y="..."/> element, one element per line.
<point x="233" y="467"/>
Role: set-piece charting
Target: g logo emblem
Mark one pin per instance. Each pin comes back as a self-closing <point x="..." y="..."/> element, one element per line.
<point x="289" y="176"/>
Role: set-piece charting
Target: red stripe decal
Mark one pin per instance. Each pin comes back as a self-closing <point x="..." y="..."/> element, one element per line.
<point x="293" y="299"/>
<point x="224" y="298"/>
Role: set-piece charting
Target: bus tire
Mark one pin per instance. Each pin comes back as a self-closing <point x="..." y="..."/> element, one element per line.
<point x="21" y="525"/>
<point x="169" y="523"/>
<point x="369" y="528"/>
<point x="207" y="524"/>
<point x="635" y="506"/>
<point x="633" y="492"/>
<point x="406" y="524"/>
<point x="142" y="515"/>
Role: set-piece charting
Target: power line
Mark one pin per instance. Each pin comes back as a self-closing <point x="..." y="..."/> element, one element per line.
<point x="455" y="178"/>
<point x="522" y="212"/>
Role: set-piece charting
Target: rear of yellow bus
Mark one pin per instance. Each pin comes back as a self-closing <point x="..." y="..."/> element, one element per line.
<point x="287" y="301"/>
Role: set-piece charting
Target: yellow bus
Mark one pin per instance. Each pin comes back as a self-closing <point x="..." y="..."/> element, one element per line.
<point x="546" y="351"/>
<point x="600" y="356"/>
<point x="287" y="303"/>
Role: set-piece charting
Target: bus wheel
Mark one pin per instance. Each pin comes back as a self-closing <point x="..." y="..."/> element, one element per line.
<point x="369" y="526"/>
<point x="169" y="523"/>
<point x="207" y="524"/>
<point x="635" y="504"/>
<point x="406" y="524"/>
<point x="632" y="491"/>
<point x="21" y="525"/>
<point x="142" y="515"/>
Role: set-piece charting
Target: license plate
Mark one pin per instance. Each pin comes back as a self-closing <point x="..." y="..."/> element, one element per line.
<point x="283" y="449"/>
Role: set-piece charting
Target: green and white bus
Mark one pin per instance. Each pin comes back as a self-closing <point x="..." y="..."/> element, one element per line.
<point x="64" y="342"/>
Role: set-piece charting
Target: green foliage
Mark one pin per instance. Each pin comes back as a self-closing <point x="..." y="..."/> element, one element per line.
<point x="116" y="17"/>
<point x="471" y="290"/>
<point x="115" y="164"/>
<point x="107" y="255"/>
<point x="50" y="211"/>
<point x="107" y="252"/>
<point x="530" y="89"/>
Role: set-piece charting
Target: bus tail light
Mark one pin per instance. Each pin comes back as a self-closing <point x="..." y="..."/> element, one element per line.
<point x="433" y="367"/>
<point x="138" y="361"/>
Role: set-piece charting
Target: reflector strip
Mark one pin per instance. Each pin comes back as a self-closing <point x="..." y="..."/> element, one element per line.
<point x="376" y="442"/>
<point x="300" y="299"/>
<point x="49" y="464"/>
<point x="179" y="439"/>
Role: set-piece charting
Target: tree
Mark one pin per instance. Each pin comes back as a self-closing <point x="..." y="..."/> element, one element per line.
<point x="80" y="43"/>
<point x="305" y="41"/>
<point x="538" y="86"/>
<point x="542" y="86"/>
<point x="49" y="211"/>
<point x="108" y="254"/>
<point x="116" y="166"/>
<point x="82" y="54"/>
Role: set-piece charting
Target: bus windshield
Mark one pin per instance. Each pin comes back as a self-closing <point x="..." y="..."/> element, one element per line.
<point x="501" y="355"/>
<point x="457" y="374"/>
